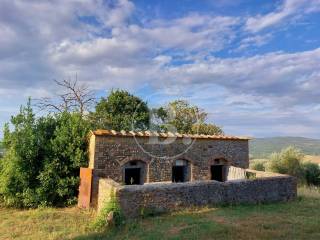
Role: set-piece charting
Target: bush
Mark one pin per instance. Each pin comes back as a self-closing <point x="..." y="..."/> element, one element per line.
<point x="311" y="173"/>
<point x="110" y="206"/>
<point x="207" y="129"/>
<point x="288" y="161"/>
<point x="258" y="165"/>
<point x="42" y="159"/>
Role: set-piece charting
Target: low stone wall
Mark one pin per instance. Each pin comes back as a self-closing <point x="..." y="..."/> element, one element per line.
<point x="107" y="189"/>
<point x="235" y="173"/>
<point x="163" y="197"/>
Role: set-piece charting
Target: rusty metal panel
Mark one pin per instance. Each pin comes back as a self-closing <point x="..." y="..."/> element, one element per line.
<point x="85" y="188"/>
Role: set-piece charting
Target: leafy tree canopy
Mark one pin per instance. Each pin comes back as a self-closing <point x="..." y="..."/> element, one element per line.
<point x="42" y="159"/>
<point x="43" y="154"/>
<point x="207" y="129"/>
<point x="121" y="111"/>
<point x="288" y="161"/>
<point x="181" y="116"/>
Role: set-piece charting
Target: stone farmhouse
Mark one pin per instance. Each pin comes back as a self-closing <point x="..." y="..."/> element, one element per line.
<point x="168" y="171"/>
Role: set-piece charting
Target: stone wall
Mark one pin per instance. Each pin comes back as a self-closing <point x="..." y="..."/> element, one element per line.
<point x="107" y="189"/>
<point x="108" y="155"/>
<point x="113" y="152"/>
<point x="163" y="197"/>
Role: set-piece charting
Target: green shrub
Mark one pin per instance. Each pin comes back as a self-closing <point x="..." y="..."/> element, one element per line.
<point x="288" y="161"/>
<point x="311" y="173"/>
<point x="112" y="205"/>
<point x="42" y="158"/>
<point x="207" y="129"/>
<point x="59" y="179"/>
<point x="258" y="165"/>
<point x="251" y="175"/>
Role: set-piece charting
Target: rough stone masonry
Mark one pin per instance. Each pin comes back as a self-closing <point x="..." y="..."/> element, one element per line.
<point x="136" y="200"/>
<point x="164" y="171"/>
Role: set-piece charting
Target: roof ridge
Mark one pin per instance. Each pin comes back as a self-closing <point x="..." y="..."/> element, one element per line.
<point x="148" y="133"/>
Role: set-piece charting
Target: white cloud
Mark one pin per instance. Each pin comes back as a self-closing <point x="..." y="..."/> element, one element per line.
<point x="45" y="40"/>
<point x="289" y="8"/>
<point x="194" y="32"/>
<point x="190" y="33"/>
<point x="111" y="51"/>
<point x="120" y="13"/>
<point x="287" y="78"/>
<point x="43" y="43"/>
<point x="254" y="41"/>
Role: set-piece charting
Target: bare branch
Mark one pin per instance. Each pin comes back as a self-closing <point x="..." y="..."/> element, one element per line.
<point x="47" y="104"/>
<point x="76" y="98"/>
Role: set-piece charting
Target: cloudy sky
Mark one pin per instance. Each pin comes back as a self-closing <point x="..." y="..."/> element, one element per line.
<point x="253" y="65"/>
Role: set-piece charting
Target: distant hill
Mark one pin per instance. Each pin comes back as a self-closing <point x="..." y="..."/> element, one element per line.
<point x="263" y="147"/>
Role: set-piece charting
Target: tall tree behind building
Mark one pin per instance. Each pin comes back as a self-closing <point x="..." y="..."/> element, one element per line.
<point x="121" y="111"/>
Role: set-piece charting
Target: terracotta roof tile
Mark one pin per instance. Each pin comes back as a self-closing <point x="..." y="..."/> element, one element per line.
<point x="101" y="132"/>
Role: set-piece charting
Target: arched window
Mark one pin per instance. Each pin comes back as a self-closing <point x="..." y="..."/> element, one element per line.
<point x="181" y="171"/>
<point x="134" y="172"/>
<point x="218" y="170"/>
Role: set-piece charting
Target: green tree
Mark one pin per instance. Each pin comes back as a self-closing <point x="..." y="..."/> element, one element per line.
<point x="183" y="117"/>
<point x="288" y="161"/>
<point x="42" y="159"/>
<point x="121" y="111"/>
<point x="312" y="173"/>
<point x="59" y="179"/>
<point x="20" y="164"/>
<point x="179" y="116"/>
<point x="207" y="129"/>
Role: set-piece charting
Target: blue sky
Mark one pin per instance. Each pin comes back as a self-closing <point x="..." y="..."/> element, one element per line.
<point x="254" y="66"/>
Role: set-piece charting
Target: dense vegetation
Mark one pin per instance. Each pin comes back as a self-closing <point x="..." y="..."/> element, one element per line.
<point x="121" y="111"/>
<point x="293" y="220"/>
<point x="290" y="161"/>
<point x="183" y="117"/>
<point x="43" y="155"/>
<point x="263" y="147"/>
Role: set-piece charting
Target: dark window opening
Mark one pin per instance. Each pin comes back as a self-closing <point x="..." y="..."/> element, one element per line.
<point x="133" y="163"/>
<point x="179" y="173"/>
<point x="132" y="176"/>
<point x="217" y="173"/>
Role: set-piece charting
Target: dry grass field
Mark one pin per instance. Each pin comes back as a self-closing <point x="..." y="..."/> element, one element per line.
<point x="294" y="220"/>
<point x="314" y="159"/>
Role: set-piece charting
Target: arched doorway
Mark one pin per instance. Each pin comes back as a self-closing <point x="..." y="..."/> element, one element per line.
<point x="181" y="171"/>
<point x="134" y="172"/>
<point x="218" y="170"/>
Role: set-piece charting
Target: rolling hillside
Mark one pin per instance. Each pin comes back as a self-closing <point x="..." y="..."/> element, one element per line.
<point x="263" y="147"/>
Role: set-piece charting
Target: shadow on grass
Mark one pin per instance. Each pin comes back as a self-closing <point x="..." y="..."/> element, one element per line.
<point x="180" y="225"/>
<point x="295" y="219"/>
<point x="93" y="236"/>
<point x="195" y="223"/>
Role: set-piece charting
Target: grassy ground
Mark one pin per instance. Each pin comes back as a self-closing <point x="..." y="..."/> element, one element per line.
<point x="47" y="223"/>
<point x="299" y="219"/>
